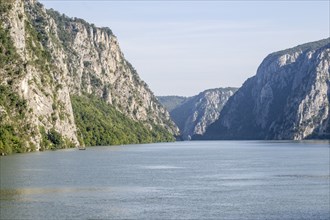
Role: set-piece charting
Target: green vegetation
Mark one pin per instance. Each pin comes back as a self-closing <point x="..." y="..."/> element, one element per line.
<point x="101" y="124"/>
<point x="36" y="36"/>
<point x="9" y="59"/>
<point x="14" y="134"/>
<point x="171" y="102"/>
<point x="39" y="22"/>
<point x="15" y="130"/>
<point x="7" y="49"/>
<point x="53" y="140"/>
<point x="107" y="30"/>
<point x="5" y="6"/>
<point x="41" y="56"/>
<point x="63" y="24"/>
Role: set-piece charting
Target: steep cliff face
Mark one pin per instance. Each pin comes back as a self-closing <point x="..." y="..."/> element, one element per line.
<point x="287" y="99"/>
<point x="30" y="76"/>
<point x="194" y="114"/>
<point x="48" y="57"/>
<point x="96" y="65"/>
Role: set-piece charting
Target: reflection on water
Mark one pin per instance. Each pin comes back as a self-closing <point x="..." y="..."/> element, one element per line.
<point x="304" y="176"/>
<point x="185" y="180"/>
<point x="17" y="193"/>
<point x="30" y="191"/>
<point x="161" y="167"/>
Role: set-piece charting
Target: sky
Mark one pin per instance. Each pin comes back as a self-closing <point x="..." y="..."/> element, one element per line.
<point x="185" y="47"/>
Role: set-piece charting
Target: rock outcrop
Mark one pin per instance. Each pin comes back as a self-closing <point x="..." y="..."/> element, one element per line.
<point x="288" y="98"/>
<point x="192" y="115"/>
<point x="50" y="57"/>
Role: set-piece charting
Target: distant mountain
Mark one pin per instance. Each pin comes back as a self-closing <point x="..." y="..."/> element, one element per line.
<point x="192" y="115"/>
<point x="65" y="82"/>
<point x="288" y="98"/>
<point x="171" y="102"/>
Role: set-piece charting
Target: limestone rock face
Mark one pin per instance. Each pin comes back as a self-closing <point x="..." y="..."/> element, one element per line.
<point x="192" y="115"/>
<point x="57" y="56"/>
<point x="288" y="98"/>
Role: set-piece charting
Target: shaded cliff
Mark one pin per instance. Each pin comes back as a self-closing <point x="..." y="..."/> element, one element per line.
<point x="288" y="98"/>
<point x="46" y="58"/>
<point x="192" y="115"/>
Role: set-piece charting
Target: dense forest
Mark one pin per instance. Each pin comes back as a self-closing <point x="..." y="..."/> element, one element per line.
<point x="99" y="123"/>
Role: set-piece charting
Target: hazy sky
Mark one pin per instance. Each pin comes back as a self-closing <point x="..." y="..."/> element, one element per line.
<point x="185" y="47"/>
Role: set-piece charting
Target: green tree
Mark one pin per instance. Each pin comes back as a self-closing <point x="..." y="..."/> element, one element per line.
<point x="101" y="124"/>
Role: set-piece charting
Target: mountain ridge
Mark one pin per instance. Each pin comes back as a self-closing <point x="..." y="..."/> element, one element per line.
<point x="288" y="98"/>
<point x="193" y="114"/>
<point x="46" y="58"/>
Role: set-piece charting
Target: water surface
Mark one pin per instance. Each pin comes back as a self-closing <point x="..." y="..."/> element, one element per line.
<point x="183" y="180"/>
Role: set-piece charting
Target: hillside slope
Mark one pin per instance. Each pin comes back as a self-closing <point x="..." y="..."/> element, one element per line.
<point x="46" y="58"/>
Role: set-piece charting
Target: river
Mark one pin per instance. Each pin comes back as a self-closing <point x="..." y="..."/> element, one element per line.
<point x="182" y="180"/>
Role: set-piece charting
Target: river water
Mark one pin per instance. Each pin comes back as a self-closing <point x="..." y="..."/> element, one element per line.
<point x="182" y="180"/>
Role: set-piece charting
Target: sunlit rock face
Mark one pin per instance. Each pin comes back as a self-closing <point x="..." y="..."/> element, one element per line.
<point x="57" y="57"/>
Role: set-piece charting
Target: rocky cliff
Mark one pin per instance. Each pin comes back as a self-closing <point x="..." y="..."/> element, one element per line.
<point x="192" y="115"/>
<point x="288" y="98"/>
<point x="46" y="58"/>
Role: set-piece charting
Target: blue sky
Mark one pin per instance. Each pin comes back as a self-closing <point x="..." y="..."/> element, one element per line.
<point x="185" y="47"/>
